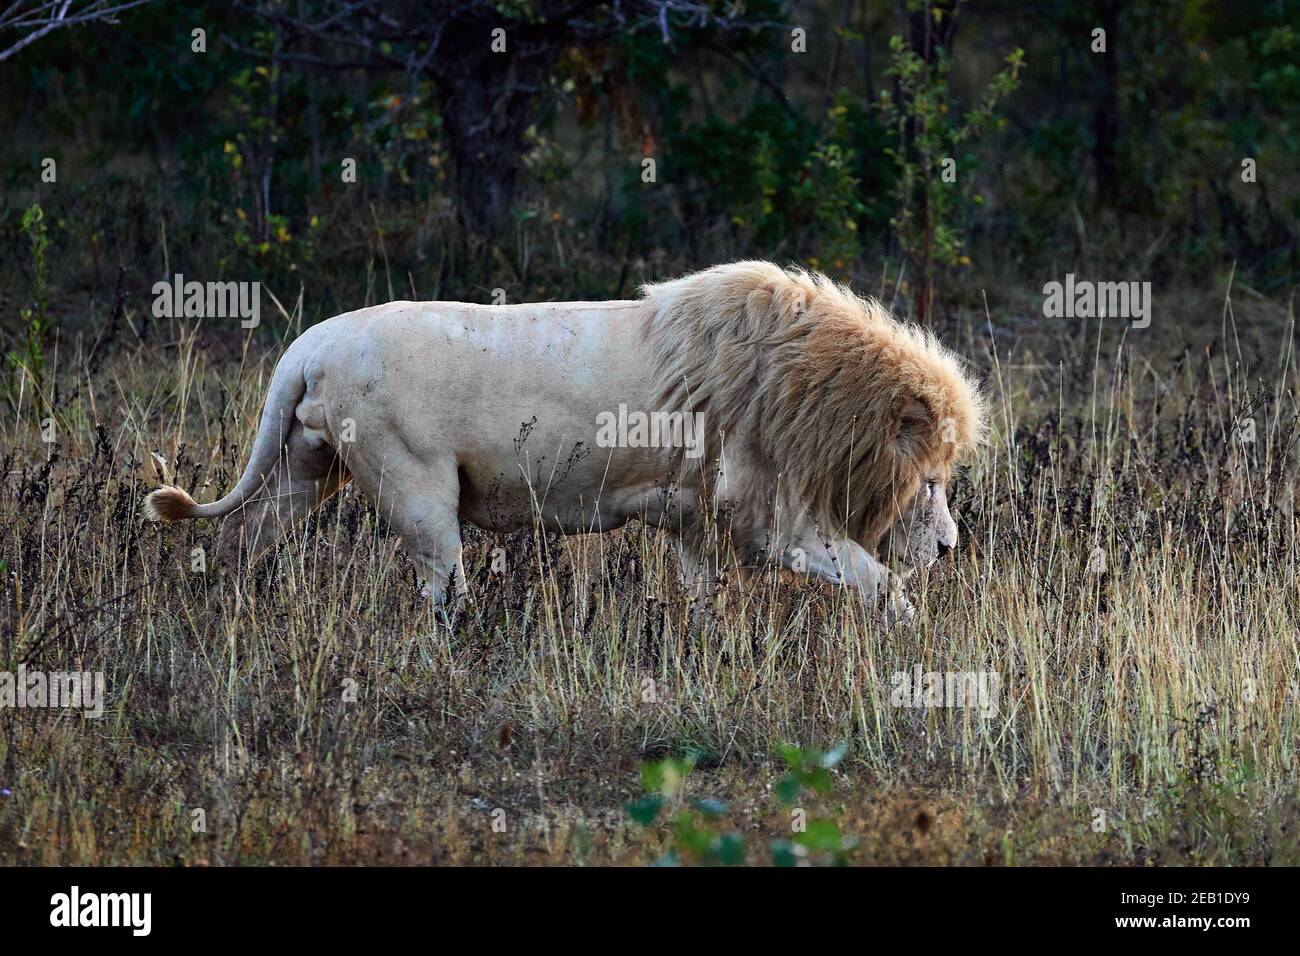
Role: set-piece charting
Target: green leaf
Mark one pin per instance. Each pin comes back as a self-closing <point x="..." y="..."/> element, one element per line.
<point x="792" y="755"/>
<point x="788" y="788"/>
<point x="646" y="810"/>
<point x="729" y="850"/>
<point x="783" y="853"/>
<point x="691" y="838"/>
<point x="821" y="836"/>
<point x="818" y="779"/>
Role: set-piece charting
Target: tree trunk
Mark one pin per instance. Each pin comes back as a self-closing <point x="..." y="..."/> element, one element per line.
<point x="486" y="101"/>
<point x="1105" y="120"/>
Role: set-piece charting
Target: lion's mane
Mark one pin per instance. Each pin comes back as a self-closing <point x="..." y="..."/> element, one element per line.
<point x="845" y="403"/>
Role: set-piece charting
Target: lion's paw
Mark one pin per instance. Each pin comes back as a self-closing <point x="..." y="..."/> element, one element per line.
<point x="899" y="611"/>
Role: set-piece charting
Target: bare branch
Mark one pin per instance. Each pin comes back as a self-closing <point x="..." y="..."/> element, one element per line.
<point x="35" y="20"/>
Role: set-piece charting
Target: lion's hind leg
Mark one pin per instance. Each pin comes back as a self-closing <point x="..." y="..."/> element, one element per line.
<point x="307" y="473"/>
<point x="422" y="502"/>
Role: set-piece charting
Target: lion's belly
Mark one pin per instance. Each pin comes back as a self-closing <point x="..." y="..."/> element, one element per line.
<point x="512" y="397"/>
<point x="576" y="504"/>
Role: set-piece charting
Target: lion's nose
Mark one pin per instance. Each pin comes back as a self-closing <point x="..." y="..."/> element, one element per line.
<point x="944" y="549"/>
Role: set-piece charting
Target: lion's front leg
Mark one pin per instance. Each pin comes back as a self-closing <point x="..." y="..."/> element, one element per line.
<point x="842" y="561"/>
<point x="877" y="582"/>
<point x="696" y="579"/>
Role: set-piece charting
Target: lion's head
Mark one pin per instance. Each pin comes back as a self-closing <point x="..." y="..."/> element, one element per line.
<point x="920" y="528"/>
<point x="863" y="415"/>
<point x="925" y="531"/>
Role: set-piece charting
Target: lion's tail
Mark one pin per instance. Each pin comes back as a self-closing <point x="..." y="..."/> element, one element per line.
<point x="288" y="386"/>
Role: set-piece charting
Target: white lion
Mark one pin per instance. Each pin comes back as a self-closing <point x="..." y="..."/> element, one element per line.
<point x="823" y="422"/>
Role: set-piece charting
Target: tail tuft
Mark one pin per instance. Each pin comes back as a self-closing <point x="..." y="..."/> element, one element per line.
<point x="169" y="503"/>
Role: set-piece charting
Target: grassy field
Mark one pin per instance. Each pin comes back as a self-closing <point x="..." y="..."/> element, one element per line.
<point x="1129" y="569"/>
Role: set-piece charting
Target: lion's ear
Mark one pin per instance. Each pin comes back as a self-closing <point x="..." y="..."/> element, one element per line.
<point x="915" y="425"/>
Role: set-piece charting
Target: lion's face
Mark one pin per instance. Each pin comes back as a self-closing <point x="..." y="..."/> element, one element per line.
<point x="925" y="532"/>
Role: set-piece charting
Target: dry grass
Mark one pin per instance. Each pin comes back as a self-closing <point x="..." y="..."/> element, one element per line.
<point x="1161" y="690"/>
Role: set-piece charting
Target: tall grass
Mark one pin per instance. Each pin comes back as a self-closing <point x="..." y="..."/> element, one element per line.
<point x="314" y="709"/>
